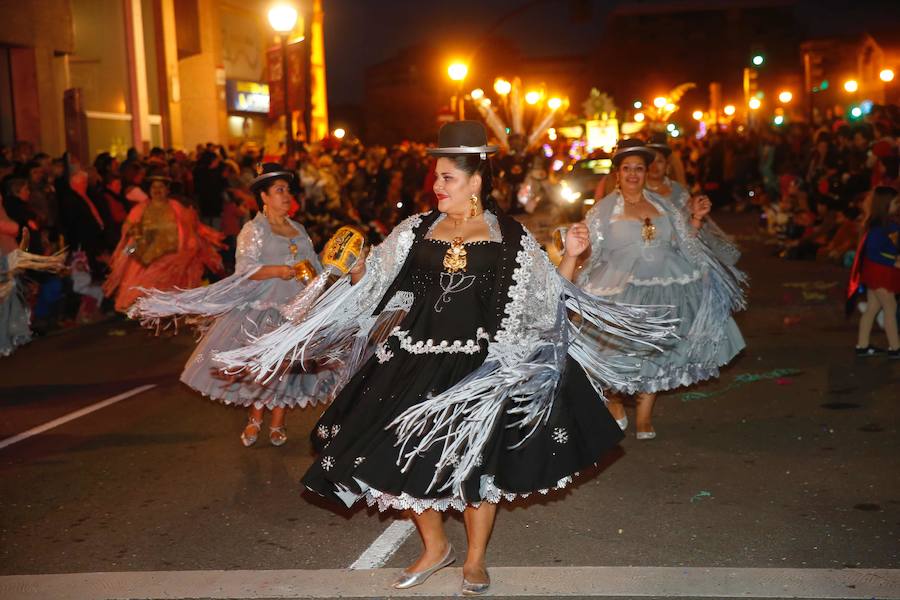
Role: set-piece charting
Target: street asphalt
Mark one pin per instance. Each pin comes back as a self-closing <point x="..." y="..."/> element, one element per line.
<point x="788" y="461"/>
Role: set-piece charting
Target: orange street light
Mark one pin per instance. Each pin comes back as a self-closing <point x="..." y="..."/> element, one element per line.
<point x="532" y="97"/>
<point x="660" y="101"/>
<point x="477" y="94"/>
<point x="754" y="103"/>
<point x="639" y="117"/>
<point x="851" y="85"/>
<point x="729" y="110"/>
<point x="886" y="75"/>
<point x="554" y="103"/>
<point x="502" y="86"/>
<point x="339" y="133"/>
<point x="785" y="97"/>
<point x="283" y="17"/>
<point x="698" y="115"/>
<point x="457" y="71"/>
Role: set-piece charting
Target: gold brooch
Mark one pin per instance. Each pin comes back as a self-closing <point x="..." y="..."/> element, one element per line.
<point x="455" y="258"/>
<point x="648" y="231"/>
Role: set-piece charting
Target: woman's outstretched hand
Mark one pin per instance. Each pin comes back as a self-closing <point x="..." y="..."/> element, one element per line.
<point x="578" y="240"/>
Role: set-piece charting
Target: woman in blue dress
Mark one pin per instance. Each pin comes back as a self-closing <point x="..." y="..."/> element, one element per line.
<point x="275" y="259"/>
<point x="643" y="249"/>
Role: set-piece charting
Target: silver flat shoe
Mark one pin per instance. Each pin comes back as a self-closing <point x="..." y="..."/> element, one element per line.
<point x="645" y="435"/>
<point x="475" y="589"/>
<point x="408" y="580"/>
<point x="622" y="423"/>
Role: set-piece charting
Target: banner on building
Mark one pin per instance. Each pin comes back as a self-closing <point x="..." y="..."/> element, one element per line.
<point x="296" y="87"/>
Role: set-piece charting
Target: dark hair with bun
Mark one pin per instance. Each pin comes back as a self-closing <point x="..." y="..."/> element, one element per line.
<point x="471" y="164"/>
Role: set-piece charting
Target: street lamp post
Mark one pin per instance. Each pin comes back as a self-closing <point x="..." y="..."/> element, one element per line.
<point x="283" y="19"/>
<point x="457" y="73"/>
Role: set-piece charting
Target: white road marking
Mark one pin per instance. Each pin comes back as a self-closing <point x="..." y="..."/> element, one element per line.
<point x="73" y="415"/>
<point x="508" y="582"/>
<point x="383" y="548"/>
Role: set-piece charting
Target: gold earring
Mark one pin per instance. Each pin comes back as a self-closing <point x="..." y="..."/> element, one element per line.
<point x="474" y="201"/>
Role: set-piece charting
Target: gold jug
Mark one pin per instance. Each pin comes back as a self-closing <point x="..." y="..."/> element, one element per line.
<point x="343" y="250"/>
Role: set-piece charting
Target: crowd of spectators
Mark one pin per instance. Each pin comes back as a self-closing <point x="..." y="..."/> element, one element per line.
<point x="65" y="204"/>
<point x="808" y="183"/>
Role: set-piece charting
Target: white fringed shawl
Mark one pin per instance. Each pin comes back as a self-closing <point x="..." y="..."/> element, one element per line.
<point x="524" y="363"/>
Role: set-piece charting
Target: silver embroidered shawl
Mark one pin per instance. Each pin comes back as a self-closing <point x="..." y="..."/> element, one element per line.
<point x="519" y="376"/>
<point x="719" y="242"/>
<point x="723" y="283"/>
<point x="234" y="291"/>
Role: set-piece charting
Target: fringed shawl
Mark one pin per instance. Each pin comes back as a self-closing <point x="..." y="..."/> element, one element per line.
<point x="723" y="283"/>
<point x="532" y="335"/>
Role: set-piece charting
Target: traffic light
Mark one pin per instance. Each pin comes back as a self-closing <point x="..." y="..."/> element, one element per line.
<point x="816" y="71"/>
<point x="758" y="60"/>
<point x="751" y="84"/>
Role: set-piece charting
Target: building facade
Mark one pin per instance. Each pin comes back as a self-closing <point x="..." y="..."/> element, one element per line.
<point x="104" y="75"/>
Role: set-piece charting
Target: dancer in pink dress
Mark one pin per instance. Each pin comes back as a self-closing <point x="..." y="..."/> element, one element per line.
<point x="163" y="246"/>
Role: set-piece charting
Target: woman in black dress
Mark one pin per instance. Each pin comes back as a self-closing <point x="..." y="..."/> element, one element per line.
<point x="454" y="341"/>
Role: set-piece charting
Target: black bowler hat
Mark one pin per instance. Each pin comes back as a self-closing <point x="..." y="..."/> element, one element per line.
<point x="660" y="142"/>
<point x="266" y="173"/>
<point x="632" y="147"/>
<point x="462" y="137"/>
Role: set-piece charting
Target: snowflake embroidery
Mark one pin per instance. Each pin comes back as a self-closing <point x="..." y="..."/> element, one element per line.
<point x="383" y="353"/>
<point x="560" y="435"/>
<point x="322" y="432"/>
<point x="479" y="460"/>
<point x="327" y="463"/>
<point x="335" y="429"/>
<point x="358" y="460"/>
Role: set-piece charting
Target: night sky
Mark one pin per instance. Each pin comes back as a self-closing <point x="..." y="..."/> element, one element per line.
<point x="359" y="33"/>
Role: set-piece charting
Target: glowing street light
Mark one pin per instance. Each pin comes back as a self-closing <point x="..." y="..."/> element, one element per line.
<point x="283" y="18"/>
<point x="729" y="110"/>
<point x="639" y="117"/>
<point x="698" y="115"/>
<point x="532" y="97"/>
<point x="457" y="71"/>
<point x="554" y="103"/>
<point x="638" y="104"/>
<point x="758" y="60"/>
<point x="670" y="107"/>
<point x="477" y="94"/>
<point x="502" y="86"/>
<point x="674" y="133"/>
<point x="785" y="97"/>
<point x="856" y="112"/>
<point x="778" y="120"/>
<point x="660" y="101"/>
<point x="339" y="133"/>
<point x="670" y="127"/>
<point x="851" y="85"/>
<point x="886" y="75"/>
<point x="754" y="103"/>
